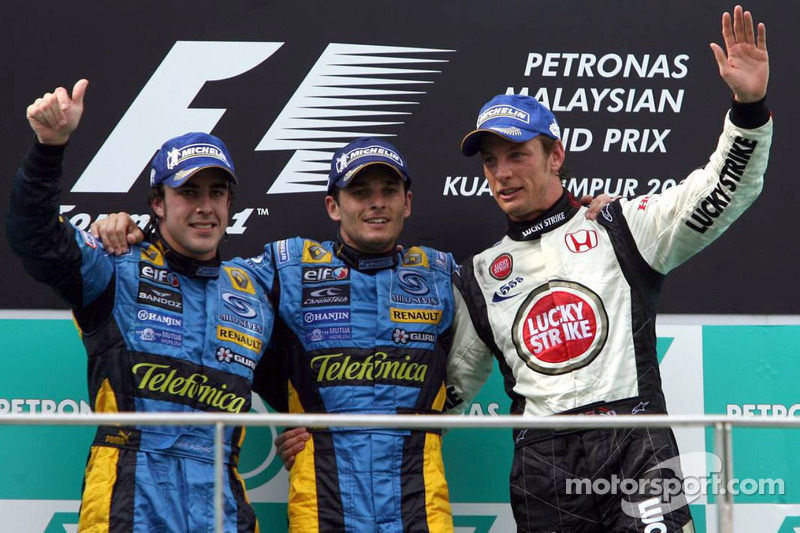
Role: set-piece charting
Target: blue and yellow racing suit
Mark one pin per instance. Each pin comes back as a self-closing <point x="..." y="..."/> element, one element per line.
<point x="363" y="334"/>
<point x="163" y="334"/>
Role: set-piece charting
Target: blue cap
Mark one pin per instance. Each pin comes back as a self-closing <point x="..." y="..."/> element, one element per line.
<point x="180" y="158"/>
<point x="361" y="153"/>
<point x="514" y="117"/>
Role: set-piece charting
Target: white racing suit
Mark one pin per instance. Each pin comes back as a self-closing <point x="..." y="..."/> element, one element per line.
<point x="568" y="307"/>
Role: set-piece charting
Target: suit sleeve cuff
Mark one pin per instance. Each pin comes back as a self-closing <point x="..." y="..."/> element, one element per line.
<point x="751" y="115"/>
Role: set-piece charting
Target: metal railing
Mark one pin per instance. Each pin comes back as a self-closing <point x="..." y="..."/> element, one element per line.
<point x="722" y="432"/>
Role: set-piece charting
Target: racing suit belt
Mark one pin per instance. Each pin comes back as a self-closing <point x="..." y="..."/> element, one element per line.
<point x="186" y="445"/>
<point x="633" y="406"/>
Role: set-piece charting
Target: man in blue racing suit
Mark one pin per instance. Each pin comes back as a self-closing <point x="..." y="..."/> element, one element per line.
<point x="167" y="327"/>
<point x="363" y="328"/>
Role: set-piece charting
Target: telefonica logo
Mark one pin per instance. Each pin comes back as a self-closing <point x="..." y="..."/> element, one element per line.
<point x="339" y="367"/>
<point x="165" y="380"/>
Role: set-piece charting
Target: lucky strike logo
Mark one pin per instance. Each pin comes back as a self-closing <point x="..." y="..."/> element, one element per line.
<point x="501" y="267"/>
<point x="562" y="326"/>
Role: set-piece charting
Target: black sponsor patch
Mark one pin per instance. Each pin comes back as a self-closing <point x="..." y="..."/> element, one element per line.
<point x="158" y="275"/>
<point x="323" y="274"/>
<point x="402" y="336"/>
<point x="160" y="297"/>
<point x="338" y="295"/>
<point x="200" y="387"/>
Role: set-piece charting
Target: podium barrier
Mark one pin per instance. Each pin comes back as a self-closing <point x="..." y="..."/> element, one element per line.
<point x="722" y="432"/>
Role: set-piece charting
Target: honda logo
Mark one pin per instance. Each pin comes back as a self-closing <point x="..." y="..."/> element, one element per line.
<point x="581" y="241"/>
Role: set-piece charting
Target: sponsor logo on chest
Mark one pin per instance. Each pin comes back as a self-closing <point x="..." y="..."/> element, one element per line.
<point x="420" y="316"/>
<point x="323" y="274"/>
<point x="560" y="327"/>
<point x="158" y="275"/>
<point x="337" y="295"/>
<point x="501" y="267"/>
<point x="581" y="240"/>
<point x="159" y="297"/>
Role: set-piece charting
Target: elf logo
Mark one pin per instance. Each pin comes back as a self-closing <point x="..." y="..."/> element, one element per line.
<point x="162" y="108"/>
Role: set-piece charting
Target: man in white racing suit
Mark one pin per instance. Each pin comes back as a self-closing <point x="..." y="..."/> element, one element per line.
<point x="568" y="305"/>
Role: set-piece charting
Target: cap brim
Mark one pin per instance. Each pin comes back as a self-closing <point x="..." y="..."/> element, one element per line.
<point x="174" y="181"/>
<point x="471" y="144"/>
<point x="355" y="172"/>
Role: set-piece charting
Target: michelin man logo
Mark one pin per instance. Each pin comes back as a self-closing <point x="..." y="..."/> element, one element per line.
<point x="177" y="156"/>
<point x="377" y="151"/>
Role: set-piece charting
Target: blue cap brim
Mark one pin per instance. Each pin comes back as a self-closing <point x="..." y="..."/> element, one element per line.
<point x="174" y="182"/>
<point x="471" y="144"/>
<point x="342" y="183"/>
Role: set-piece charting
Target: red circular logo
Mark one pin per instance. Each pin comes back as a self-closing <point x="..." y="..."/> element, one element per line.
<point x="561" y="326"/>
<point x="501" y="267"/>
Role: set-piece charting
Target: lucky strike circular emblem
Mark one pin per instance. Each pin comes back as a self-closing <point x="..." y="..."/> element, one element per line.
<point x="501" y="267"/>
<point x="562" y="326"/>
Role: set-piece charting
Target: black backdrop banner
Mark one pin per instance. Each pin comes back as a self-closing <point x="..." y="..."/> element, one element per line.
<point x="634" y="85"/>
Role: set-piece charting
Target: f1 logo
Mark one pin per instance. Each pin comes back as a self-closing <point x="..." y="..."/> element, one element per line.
<point x="333" y="94"/>
<point x="162" y="108"/>
<point x="581" y="241"/>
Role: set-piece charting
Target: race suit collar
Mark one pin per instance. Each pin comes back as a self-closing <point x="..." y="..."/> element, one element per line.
<point x="362" y="261"/>
<point x="193" y="268"/>
<point x="563" y="210"/>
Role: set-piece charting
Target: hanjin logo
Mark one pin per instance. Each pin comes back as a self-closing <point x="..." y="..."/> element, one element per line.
<point x="581" y="241"/>
<point x="501" y="267"/>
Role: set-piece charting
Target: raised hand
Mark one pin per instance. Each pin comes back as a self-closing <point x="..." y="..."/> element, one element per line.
<point x="745" y="68"/>
<point x="54" y="116"/>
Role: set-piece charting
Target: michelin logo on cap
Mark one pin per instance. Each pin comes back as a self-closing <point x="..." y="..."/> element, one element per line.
<point x="176" y="156"/>
<point x="347" y="158"/>
<point x="503" y="111"/>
